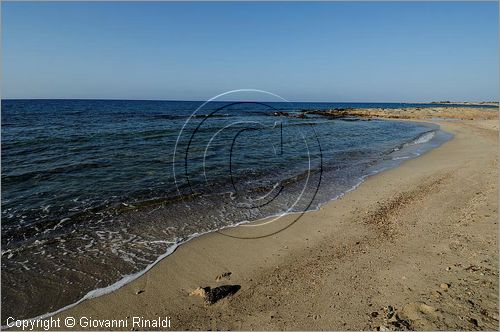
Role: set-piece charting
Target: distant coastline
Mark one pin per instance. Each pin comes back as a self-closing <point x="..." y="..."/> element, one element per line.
<point x="471" y="103"/>
<point x="412" y="113"/>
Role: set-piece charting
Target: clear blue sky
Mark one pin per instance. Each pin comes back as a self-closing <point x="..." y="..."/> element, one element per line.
<point x="420" y="51"/>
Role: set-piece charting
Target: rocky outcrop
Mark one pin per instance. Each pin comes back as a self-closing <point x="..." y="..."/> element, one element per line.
<point x="212" y="295"/>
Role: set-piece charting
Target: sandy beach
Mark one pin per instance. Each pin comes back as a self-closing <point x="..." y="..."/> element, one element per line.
<point x="414" y="247"/>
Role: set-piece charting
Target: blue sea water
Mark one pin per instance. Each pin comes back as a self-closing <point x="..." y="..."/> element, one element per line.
<point x="96" y="190"/>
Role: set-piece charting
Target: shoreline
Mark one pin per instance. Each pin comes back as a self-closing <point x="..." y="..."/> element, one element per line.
<point x="126" y="295"/>
<point x="381" y="167"/>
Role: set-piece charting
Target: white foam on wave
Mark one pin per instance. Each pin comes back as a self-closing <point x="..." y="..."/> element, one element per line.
<point x="424" y="138"/>
<point x="119" y="284"/>
<point x="402" y="158"/>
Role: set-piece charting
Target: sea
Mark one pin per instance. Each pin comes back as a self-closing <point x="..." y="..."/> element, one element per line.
<point x="95" y="192"/>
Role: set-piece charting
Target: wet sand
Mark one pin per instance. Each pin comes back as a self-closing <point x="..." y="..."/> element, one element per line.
<point x="415" y="247"/>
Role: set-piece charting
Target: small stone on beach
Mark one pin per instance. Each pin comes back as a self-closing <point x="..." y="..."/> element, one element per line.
<point x="444" y="286"/>
<point x="212" y="295"/>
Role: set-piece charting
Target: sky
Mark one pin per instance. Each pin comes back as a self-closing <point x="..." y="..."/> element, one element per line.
<point x="324" y="51"/>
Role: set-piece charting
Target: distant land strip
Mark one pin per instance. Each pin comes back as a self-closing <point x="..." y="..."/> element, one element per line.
<point x="462" y="113"/>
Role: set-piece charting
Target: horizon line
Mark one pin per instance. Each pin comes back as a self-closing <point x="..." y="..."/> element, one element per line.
<point x="327" y="102"/>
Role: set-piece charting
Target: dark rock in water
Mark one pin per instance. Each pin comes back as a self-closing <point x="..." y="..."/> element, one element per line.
<point x="352" y="119"/>
<point x="212" y="295"/>
<point x="290" y="115"/>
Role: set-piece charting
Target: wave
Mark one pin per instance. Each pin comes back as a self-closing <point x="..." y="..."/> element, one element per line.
<point x="422" y="138"/>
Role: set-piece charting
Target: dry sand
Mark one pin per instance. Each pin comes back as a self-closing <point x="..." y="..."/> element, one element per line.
<point x="415" y="247"/>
